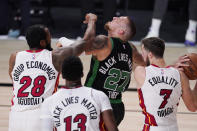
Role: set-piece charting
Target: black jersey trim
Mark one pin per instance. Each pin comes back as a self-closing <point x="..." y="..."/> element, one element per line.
<point x="94" y="73"/>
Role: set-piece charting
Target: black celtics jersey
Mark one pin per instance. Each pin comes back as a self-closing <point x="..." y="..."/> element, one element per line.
<point x="112" y="75"/>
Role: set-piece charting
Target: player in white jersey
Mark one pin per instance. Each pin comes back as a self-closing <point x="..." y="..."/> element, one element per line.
<point x="160" y="88"/>
<point x="34" y="73"/>
<point x="76" y="107"/>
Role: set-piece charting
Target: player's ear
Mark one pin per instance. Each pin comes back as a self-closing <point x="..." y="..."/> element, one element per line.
<point x="150" y="54"/>
<point x="43" y="43"/>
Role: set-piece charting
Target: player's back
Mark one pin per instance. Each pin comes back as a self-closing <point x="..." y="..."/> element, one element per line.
<point x="34" y="79"/>
<point x="112" y="75"/>
<point x="74" y="109"/>
<point x="159" y="98"/>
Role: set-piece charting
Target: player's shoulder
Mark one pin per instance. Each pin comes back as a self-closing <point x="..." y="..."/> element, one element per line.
<point x="13" y="55"/>
<point x="173" y="69"/>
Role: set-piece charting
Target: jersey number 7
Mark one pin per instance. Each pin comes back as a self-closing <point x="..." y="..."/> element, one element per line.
<point x="166" y="93"/>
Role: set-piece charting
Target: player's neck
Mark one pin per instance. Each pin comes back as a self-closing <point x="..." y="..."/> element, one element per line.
<point x="159" y="62"/>
<point x="35" y="48"/>
<point x="105" y="52"/>
<point x="73" y="84"/>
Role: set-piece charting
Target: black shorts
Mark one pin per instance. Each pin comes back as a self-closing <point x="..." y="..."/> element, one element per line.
<point x="119" y="111"/>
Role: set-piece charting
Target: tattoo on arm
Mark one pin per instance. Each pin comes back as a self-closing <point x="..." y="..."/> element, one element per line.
<point x="100" y="41"/>
<point x="90" y="31"/>
<point x="90" y="35"/>
<point x="59" y="54"/>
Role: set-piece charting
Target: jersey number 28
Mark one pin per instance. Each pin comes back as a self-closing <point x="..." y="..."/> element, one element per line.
<point x="37" y="89"/>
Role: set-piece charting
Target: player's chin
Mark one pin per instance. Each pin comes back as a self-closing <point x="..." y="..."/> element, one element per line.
<point x="88" y="53"/>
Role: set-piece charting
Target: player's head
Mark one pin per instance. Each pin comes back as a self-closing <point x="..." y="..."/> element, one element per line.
<point x="72" y="68"/>
<point x="38" y="36"/>
<point x="122" y="27"/>
<point x="152" y="47"/>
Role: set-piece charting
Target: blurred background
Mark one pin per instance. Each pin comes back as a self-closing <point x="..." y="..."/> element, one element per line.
<point x="64" y="17"/>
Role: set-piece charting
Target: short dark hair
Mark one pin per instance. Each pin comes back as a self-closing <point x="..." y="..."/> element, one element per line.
<point x="155" y="45"/>
<point x="72" y="68"/>
<point x="35" y="34"/>
<point x="132" y="28"/>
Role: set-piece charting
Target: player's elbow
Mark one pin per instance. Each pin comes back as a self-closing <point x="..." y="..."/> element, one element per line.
<point x="192" y="108"/>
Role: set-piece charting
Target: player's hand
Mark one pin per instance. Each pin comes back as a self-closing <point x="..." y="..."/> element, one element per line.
<point x="90" y="17"/>
<point x="181" y="62"/>
<point x="58" y="44"/>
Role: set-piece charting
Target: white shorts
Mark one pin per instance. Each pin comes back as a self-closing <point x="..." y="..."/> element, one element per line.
<point x="25" y="121"/>
<point x="161" y="128"/>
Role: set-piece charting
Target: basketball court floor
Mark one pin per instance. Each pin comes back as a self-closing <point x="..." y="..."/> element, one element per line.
<point x="133" y="121"/>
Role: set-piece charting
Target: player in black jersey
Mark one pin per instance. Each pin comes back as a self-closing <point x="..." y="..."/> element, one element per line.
<point x="113" y="59"/>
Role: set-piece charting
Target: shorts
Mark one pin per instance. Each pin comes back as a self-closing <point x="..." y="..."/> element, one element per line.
<point x="160" y="128"/>
<point x="25" y="120"/>
<point x="119" y="112"/>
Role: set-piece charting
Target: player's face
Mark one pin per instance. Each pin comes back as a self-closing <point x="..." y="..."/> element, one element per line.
<point x="145" y="56"/>
<point x="116" y="23"/>
<point x="48" y="40"/>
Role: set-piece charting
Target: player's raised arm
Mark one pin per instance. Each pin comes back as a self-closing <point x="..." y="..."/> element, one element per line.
<point x="137" y="57"/>
<point x="59" y="54"/>
<point x="89" y="36"/>
<point x="77" y="47"/>
<point x="187" y="94"/>
<point x="90" y="20"/>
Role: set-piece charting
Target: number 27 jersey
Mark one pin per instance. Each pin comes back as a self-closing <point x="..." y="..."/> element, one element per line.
<point x="112" y="75"/>
<point x="34" y="79"/>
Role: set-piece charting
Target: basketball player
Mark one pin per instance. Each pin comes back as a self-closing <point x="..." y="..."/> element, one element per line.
<point x="113" y="59"/>
<point x="34" y="73"/>
<point x="160" y="88"/>
<point x="76" y="107"/>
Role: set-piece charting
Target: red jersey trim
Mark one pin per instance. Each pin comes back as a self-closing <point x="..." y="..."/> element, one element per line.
<point x="102" y="125"/>
<point x="65" y="87"/>
<point x="56" y="83"/>
<point x="146" y="127"/>
<point x="34" y="51"/>
<point x="12" y="100"/>
<point x="54" y="129"/>
<point x="160" y="67"/>
<point x="149" y="119"/>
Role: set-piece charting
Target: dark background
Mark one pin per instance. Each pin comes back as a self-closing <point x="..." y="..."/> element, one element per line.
<point x="63" y="17"/>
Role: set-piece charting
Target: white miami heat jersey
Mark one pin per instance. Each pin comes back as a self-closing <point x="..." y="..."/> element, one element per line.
<point x="34" y="79"/>
<point x="159" y="96"/>
<point x="75" y="109"/>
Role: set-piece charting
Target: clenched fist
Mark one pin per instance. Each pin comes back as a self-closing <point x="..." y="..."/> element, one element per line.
<point x="90" y="17"/>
